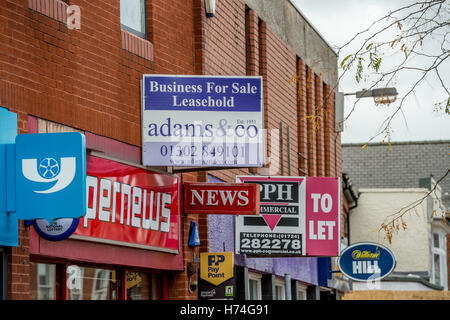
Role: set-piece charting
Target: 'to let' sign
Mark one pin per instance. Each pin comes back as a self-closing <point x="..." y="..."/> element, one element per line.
<point x="322" y="216"/>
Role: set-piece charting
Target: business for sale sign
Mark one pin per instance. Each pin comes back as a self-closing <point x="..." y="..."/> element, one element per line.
<point x="299" y="216"/>
<point x="214" y="121"/>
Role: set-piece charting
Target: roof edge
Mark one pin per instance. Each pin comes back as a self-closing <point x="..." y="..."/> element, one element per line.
<point x="396" y="143"/>
<point x="314" y="28"/>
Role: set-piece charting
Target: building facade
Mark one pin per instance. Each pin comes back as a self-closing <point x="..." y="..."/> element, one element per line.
<point x="390" y="182"/>
<point x="77" y="66"/>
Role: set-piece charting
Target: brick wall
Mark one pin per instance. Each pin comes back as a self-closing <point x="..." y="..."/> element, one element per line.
<point x="83" y="78"/>
<point x="292" y="91"/>
<point x="88" y="79"/>
<point x="237" y="42"/>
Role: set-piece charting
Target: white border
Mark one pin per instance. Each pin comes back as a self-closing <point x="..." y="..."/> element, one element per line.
<point x="263" y="144"/>
<point x="302" y="218"/>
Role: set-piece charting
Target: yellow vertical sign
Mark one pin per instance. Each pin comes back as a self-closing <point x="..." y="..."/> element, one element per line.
<point x="216" y="267"/>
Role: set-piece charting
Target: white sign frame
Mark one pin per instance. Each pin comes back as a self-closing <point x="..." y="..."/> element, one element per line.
<point x="241" y="145"/>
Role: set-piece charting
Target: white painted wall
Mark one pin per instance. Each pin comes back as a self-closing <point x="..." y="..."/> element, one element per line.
<point x="390" y="285"/>
<point x="411" y="247"/>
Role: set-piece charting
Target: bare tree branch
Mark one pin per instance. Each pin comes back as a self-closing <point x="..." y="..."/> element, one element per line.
<point x="391" y="222"/>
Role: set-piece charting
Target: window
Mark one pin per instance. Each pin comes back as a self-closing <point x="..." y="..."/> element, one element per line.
<point x="43" y="286"/>
<point x="439" y="265"/>
<point x="133" y="17"/>
<point x="143" y="286"/>
<point x="254" y="286"/>
<point x="280" y="291"/>
<point x="92" y="283"/>
<point x="103" y="280"/>
<point x="84" y="283"/>
<point x="301" y="292"/>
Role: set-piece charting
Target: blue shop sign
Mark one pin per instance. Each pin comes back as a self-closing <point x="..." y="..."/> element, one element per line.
<point x="50" y="176"/>
<point x="366" y="261"/>
<point x="9" y="224"/>
<point x="57" y="230"/>
<point x="42" y="176"/>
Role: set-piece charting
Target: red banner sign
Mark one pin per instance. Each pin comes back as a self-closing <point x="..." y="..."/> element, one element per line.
<point x="130" y="206"/>
<point x="221" y="198"/>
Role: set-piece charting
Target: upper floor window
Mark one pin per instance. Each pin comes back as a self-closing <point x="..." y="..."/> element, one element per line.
<point x="301" y="292"/>
<point x="280" y="290"/>
<point x="439" y="261"/>
<point x="254" y="286"/>
<point x="133" y="17"/>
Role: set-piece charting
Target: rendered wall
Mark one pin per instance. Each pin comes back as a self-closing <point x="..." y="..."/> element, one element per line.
<point x="411" y="246"/>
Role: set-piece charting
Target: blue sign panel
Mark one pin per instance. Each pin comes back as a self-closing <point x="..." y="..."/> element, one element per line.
<point x="9" y="224"/>
<point x="202" y="121"/>
<point x="50" y="176"/>
<point x="57" y="230"/>
<point x="366" y="261"/>
<point x="208" y="93"/>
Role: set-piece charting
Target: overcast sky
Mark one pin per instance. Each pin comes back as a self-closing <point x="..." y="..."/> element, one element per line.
<point x="338" y="22"/>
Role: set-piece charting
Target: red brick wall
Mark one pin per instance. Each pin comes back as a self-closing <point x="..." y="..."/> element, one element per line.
<point x="281" y="104"/>
<point x="18" y="260"/>
<point x="85" y="79"/>
<point x="237" y="42"/>
<point x="225" y="51"/>
<point x="302" y="127"/>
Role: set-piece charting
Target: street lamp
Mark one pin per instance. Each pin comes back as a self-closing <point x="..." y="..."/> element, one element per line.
<point x="380" y="96"/>
<point x="210" y="7"/>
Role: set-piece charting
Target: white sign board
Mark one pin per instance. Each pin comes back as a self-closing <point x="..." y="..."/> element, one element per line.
<point x="299" y="216"/>
<point x="202" y="121"/>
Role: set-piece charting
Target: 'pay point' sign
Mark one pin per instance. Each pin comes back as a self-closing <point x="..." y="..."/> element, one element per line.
<point x="216" y="267"/>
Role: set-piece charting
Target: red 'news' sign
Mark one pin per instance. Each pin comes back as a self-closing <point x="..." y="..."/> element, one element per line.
<point x="221" y="198"/>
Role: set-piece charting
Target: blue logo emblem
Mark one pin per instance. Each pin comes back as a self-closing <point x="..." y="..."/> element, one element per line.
<point x="50" y="176"/>
<point x="57" y="230"/>
<point x="366" y="261"/>
<point x="49" y="171"/>
<point x="48" y="168"/>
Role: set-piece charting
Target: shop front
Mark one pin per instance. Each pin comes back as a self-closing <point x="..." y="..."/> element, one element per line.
<point x="124" y="248"/>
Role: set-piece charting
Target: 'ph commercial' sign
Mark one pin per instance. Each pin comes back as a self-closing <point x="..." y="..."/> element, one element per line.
<point x="202" y="121"/>
<point x="299" y="216"/>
